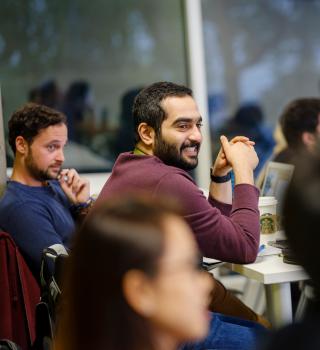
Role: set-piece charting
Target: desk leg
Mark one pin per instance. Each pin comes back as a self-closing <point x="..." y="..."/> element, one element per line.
<point x="279" y="307"/>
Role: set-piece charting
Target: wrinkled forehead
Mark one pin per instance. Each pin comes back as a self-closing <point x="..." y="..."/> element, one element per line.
<point x="57" y="132"/>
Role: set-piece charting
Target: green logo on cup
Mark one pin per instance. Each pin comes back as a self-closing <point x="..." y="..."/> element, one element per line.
<point x="268" y="223"/>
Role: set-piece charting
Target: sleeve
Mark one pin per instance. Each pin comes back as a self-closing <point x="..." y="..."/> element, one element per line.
<point x="233" y="239"/>
<point x="32" y="229"/>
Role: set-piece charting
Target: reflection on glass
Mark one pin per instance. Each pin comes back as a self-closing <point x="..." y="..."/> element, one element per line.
<point x="81" y="57"/>
<point x="262" y="52"/>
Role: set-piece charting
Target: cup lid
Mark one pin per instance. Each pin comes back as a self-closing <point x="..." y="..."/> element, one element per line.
<point x="267" y="200"/>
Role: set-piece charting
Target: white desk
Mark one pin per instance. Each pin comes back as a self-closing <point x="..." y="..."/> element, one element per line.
<point x="276" y="277"/>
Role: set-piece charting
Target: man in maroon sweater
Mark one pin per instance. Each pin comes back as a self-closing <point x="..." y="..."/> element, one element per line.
<point x="168" y="138"/>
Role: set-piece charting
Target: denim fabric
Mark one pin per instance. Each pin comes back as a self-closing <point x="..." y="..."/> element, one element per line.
<point x="228" y="333"/>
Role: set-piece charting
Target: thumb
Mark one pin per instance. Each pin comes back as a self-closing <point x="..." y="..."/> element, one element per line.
<point x="225" y="144"/>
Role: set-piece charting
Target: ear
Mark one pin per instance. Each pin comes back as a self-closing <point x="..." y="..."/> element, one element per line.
<point x="147" y="134"/>
<point x="309" y="140"/>
<point x="138" y="292"/>
<point x="22" y="145"/>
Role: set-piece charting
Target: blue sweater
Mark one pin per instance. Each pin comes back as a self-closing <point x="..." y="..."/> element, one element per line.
<point x="36" y="217"/>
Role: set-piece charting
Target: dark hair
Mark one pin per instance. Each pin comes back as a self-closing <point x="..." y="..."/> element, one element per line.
<point x="147" y="105"/>
<point x="118" y="236"/>
<point x="299" y="116"/>
<point x="28" y="120"/>
<point x="301" y="213"/>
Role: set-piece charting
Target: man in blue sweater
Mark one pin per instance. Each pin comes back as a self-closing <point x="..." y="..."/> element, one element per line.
<point x="41" y="201"/>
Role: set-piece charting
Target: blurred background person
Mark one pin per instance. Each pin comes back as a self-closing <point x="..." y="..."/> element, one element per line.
<point x="249" y="121"/>
<point x="124" y="139"/>
<point x="47" y="93"/>
<point x="300" y="125"/>
<point x="79" y="108"/>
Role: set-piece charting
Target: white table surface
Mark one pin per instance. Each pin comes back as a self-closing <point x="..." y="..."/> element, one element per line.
<point x="276" y="277"/>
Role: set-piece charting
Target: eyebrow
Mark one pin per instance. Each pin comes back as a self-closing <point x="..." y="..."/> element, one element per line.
<point x="186" y="120"/>
<point x="56" y="141"/>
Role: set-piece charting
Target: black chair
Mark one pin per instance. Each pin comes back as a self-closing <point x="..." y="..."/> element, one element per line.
<point x="52" y="263"/>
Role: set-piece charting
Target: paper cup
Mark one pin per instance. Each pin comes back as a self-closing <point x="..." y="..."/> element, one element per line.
<point x="268" y="215"/>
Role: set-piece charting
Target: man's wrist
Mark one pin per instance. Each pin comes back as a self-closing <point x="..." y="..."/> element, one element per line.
<point x="88" y="203"/>
<point x="220" y="179"/>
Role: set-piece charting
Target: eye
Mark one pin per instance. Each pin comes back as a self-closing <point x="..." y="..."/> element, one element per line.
<point x="51" y="148"/>
<point x="183" y="126"/>
<point x="199" y="125"/>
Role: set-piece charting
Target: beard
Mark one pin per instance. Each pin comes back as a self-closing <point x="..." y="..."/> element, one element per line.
<point x="170" y="154"/>
<point x="37" y="173"/>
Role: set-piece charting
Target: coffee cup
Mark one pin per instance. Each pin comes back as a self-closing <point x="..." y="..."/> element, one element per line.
<point x="268" y="214"/>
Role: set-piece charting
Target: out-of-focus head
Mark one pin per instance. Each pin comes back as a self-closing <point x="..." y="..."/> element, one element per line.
<point x="79" y="95"/>
<point x="300" y="123"/>
<point x="301" y="212"/>
<point x="167" y="124"/>
<point x="133" y="269"/>
<point x="249" y="114"/>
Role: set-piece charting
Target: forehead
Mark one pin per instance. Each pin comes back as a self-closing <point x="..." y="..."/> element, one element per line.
<point x="179" y="240"/>
<point x="56" y="132"/>
<point x="180" y="107"/>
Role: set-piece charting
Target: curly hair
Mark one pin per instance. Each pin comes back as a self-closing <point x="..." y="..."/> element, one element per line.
<point x="28" y="120"/>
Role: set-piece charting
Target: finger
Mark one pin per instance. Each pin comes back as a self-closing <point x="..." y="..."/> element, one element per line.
<point x="251" y="143"/>
<point x="63" y="175"/>
<point x="239" y="139"/>
<point x="72" y="176"/>
<point x="225" y="144"/>
<point x="76" y="186"/>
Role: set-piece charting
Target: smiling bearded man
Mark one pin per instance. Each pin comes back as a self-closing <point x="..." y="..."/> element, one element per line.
<point x="168" y="136"/>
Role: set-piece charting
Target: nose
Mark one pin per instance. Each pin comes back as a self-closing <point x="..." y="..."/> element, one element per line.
<point x="207" y="283"/>
<point x="60" y="156"/>
<point x="195" y="134"/>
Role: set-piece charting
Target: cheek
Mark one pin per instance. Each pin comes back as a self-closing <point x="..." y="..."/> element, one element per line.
<point x="181" y="309"/>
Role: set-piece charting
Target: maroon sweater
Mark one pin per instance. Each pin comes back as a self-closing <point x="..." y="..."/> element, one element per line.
<point x="224" y="232"/>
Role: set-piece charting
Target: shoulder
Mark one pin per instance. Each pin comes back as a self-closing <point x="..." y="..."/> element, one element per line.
<point x="152" y="166"/>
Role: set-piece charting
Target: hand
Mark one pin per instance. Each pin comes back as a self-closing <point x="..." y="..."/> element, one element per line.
<point x="76" y="188"/>
<point x="239" y="155"/>
<point x="222" y="166"/>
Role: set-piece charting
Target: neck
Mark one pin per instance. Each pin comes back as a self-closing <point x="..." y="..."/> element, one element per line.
<point x="164" y="341"/>
<point x="144" y="148"/>
<point x="22" y="175"/>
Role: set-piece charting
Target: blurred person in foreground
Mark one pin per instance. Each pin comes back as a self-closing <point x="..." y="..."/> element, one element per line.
<point x="301" y="214"/>
<point x="133" y="282"/>
<point x="168" y="137"/>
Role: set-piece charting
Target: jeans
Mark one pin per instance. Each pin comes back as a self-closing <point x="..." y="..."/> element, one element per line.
<point x="228" y="333"/>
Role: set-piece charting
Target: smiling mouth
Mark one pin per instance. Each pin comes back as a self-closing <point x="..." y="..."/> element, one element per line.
<point x="191" y="151"/>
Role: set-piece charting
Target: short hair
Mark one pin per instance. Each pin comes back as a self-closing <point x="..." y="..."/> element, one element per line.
<point x="147" y="104"/>
<point x="118" y="236"/>
<point x="299" y="116"/>
<point x="301" y="213"/>
<point x="28" y="120"/>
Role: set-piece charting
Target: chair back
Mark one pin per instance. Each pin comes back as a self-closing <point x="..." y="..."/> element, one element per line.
<point x="19" y="294"/>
